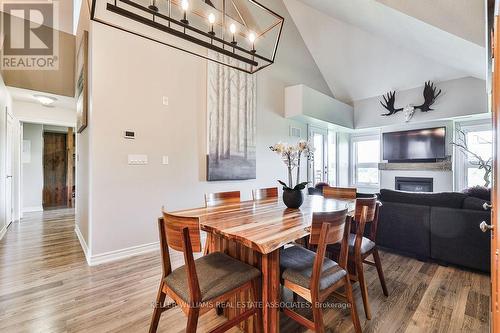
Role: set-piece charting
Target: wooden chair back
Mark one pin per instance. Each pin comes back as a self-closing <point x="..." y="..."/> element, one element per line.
<point x="365" y="212"/>
<point x="334" y="227"/>
<point x="265" y="193"/>
<point x="346" y="193"/>
<point x="373" y="229"/>
<point x="336" y="222"/>
<point x="370" y="203"/>
<point x="181" y="234"/>
<point x="222" y="198"/>
<point x="171" y="231"/>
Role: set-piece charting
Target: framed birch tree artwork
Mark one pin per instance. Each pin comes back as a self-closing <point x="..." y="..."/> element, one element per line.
<point x="231" y="110"/>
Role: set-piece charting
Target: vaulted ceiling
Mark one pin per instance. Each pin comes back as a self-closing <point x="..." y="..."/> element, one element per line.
<point x="365" y="48"/>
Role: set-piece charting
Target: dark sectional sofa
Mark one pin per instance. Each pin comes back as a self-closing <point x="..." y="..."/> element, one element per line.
<point x="439" y="226"/>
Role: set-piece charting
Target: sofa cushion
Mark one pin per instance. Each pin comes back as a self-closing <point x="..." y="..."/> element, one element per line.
<point x="443" y="199"/>
<point x="474" y="203"/>
<point x="314" y="191"/>
<point x="480" y="192"/>
<point x="405" y="227"/>
<point x="457" y="239"/>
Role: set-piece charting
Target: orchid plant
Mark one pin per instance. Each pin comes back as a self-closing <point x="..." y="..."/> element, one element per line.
<point x="291" y="156"/>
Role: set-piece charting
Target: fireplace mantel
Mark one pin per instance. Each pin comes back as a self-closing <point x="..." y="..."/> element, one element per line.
<point x="445" y="165"/>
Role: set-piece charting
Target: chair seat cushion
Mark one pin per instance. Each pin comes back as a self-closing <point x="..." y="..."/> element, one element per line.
<point x="296" y="264"/>
<point x="366" y="245"/>
<point x="217" y="273"/>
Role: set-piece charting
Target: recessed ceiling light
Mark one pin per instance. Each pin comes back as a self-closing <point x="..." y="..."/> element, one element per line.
<point x="45" y="100"/>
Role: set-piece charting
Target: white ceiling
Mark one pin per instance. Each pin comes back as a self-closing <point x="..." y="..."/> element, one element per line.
<point x="26" y="95"/>
<point x="365" y="48"/>
<point x="459" y="17"/>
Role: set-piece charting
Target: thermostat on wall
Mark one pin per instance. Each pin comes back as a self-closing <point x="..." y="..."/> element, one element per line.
<point x="129" y="135"/>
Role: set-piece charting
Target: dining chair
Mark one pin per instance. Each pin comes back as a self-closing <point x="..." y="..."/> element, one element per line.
<point x="346" y="193"/>
<point x="265" y="193"/>
<point x="222" y="198"/>
<point x="222" y="277"/>
<point x="360" y="247"/>
<point x="219" y="199"/>
<point x="313" y="276"/>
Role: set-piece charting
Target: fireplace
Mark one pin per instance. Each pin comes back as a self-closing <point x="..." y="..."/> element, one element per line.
<point x="414" y="184"/>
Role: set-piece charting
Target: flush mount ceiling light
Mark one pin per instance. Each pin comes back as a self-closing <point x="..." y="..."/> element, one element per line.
<point x="45" y="100"/>
<point x="242" y="34"/>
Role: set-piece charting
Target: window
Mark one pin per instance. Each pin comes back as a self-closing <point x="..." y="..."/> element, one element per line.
<point x="478" y="137"/>
<point x="332" y="158"/>
<point x="480" y="143"/>
<point x="365" y="159"/>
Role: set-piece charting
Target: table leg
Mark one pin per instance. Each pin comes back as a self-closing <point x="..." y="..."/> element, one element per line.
<point x="271" y="291"/>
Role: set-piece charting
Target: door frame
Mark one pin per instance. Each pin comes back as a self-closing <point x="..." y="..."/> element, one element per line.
<point x="495" y="230"/>
<point x="311" y="130"/>
<point x="9" y="178"/>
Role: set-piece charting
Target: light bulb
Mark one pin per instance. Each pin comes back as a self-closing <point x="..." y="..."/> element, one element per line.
<point x="185" y="5"/>
<point x="211" y="18"/>
<point x="251" y="37"/>
<point x="232" y="28"/>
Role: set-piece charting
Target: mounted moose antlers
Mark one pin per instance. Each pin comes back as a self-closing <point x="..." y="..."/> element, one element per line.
<point x="389" y="99"/>
<point x="430" y="95"/>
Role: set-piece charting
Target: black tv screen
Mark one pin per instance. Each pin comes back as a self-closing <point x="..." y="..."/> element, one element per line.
<point x="421" y="144"/>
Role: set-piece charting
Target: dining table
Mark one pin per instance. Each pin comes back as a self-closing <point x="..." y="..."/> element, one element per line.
<point x="254" y="232"/>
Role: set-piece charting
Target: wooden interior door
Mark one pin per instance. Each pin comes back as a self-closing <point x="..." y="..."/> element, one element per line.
<point x="55" y="193"/>
<point x="495" y="230"/>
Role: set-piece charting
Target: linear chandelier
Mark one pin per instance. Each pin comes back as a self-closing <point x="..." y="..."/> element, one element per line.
<point x="242" y="34"/>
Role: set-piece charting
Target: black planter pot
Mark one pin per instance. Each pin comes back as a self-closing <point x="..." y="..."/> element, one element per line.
<point x="293" y="198"/>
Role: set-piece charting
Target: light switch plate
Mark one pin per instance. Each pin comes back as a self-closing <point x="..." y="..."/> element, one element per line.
<point x="137" y="159"/>
<point x="164" y="160"/>
<point x="165" y="100"/>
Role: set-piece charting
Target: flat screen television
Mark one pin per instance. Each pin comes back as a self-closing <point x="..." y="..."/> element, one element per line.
<point x="415" y="145"/>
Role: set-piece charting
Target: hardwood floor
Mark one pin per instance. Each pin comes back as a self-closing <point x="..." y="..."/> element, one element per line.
<point x="46" y="286"/>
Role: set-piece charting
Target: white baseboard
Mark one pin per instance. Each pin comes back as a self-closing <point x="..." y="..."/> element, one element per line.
<point x="32" y="209"/>
<point x="83" y="244"/>
<point x="123" y="253"/>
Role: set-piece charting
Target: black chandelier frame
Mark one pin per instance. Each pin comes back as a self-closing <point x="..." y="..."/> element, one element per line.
<point x="252" y="57"/>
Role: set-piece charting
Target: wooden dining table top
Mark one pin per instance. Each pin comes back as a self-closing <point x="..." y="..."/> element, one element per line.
<point x="264" y="225"/>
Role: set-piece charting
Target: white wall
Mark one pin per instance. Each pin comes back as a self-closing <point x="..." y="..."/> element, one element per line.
<point x="82" y="180"/>
<point x="461" y="97"/>
<point x="304" y="103"/>
<point x="38" y="114"/>
<point x="32" y="171"/>
<point x="123" y="202"/>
